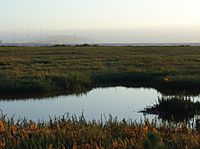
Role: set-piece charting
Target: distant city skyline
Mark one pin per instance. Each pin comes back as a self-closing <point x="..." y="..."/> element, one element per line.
<point x="101" y="20"/>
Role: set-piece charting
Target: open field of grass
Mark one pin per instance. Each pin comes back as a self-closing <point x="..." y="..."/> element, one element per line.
<point x="66" y="132"/>
<point x="68" y="69"/>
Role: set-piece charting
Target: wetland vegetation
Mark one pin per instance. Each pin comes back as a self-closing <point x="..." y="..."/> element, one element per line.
<point x="25" y="70"/>
<point x="49" y="71"/>
<point x="178" y="109"/>
<point x="72" y="132"/>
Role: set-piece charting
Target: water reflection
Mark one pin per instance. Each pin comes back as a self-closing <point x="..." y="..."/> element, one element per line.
<point x="118" y="101"/>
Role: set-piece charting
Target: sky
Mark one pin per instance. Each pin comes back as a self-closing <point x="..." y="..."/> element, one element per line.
<point x="103" y="20"/>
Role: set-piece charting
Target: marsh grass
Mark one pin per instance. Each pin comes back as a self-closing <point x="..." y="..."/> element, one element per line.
<point x="75" y="132"/>
<point x="176" y="108"/>
<point x="56" y="69"/>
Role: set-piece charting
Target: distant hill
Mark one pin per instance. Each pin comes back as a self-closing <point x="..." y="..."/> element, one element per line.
<point x="63" y="40"/>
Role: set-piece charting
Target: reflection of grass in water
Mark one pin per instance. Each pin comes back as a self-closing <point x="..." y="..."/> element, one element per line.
<point x="39" y="96"/>
<point x="72" y="132"/>
<point x="174" y="108"/>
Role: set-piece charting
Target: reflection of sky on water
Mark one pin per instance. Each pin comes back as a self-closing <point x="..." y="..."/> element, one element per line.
<point x="120" y="101"/>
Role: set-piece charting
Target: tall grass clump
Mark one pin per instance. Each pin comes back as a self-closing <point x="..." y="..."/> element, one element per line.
<point x="175" y="108"/>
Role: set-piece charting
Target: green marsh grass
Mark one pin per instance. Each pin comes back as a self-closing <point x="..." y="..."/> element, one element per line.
<point x="71" y="69"/>
<point x="178" y="109"/>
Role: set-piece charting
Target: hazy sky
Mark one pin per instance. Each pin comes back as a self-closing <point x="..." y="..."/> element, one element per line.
<point x="119" y="17"/>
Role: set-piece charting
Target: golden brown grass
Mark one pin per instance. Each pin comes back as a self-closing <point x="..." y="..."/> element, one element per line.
<point x="77" y="133"/>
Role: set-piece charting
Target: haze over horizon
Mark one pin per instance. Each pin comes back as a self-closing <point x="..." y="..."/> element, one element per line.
<point x="105" y="21"/>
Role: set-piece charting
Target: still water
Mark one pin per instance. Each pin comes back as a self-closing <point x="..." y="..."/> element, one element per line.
<point x="119" y="101"/>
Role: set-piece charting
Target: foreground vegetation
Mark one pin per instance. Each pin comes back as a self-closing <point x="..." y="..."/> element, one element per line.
<point x="69" y="69"/>
<point x="76" y="133"/>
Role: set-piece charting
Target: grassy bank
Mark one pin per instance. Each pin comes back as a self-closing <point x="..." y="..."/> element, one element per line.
<point x="70" y="69"/>
<point x="76" y="133"/>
